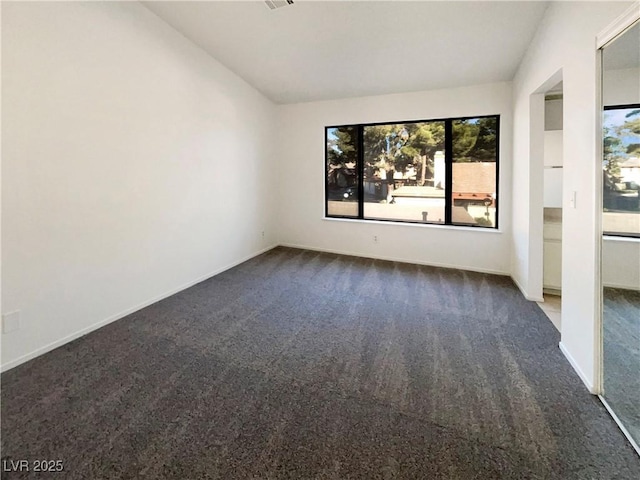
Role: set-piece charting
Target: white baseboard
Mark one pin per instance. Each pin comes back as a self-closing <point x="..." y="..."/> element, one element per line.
<point x="58" y="343"/>
<point x="395" y="259"/>
<point x="575" y="366"/>
<point x="622" y="286"/>
<point x="525" y="294"/>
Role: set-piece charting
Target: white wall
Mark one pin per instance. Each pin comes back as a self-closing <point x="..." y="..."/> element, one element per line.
<point x="552" y="153"/>
<point x="553" y="114"/>
<point x="621" y="262"/>
<point x="133" y="165"/>
<point x="565" y="42"/>
<point x="301" y="180"/>
<point x="621" y="87"/>
<point x="552" y="176"/>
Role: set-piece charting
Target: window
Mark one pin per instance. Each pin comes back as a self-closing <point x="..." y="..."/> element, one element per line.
<point x="433" y="171"/>
<point x="621" y="171"/>
<point x="343" y="178"/>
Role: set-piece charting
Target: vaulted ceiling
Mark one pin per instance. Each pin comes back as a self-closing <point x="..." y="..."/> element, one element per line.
<point x="328" y="50"/>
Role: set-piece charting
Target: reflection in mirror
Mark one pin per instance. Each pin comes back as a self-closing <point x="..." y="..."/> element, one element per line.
<point x="621" y="227"/>
<point x="621" y="170"/>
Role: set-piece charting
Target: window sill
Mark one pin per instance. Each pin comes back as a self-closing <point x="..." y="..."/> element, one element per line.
<point x="416" y="225"/>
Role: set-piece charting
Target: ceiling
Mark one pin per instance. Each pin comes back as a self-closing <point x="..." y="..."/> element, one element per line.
<point x="328" y="50"/>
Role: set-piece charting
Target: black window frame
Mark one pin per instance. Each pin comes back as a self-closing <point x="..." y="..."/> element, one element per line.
<point x="626" y="106"/>
<point x="449" y="161"/>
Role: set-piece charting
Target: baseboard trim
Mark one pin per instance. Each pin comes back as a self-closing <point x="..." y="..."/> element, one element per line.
<point x="579" y="371"/>
<point x="552" y="291"/>
<point x="524" y="293"/>
<point x="621" y="286"/>
<point x="58" y="343"/>
<point x="395" y="259"/>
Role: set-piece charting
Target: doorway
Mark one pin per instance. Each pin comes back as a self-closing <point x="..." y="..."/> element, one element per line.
<point x="552" y="205"/>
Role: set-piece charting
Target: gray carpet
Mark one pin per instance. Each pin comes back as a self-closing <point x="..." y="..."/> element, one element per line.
<point x="622" y="356"/>
<point x="305" y="365"/>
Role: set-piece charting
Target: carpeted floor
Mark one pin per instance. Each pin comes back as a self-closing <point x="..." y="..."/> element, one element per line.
<point x="305" y="365"/>
<point x="622" y="356"/>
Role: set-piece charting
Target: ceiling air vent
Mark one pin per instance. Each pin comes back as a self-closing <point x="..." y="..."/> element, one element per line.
<point x="273" y="4"/>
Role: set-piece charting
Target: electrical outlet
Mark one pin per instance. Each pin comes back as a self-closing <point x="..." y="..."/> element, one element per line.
<point x="263" y="234"/>
<point x="375" y="239"/>
<point x="11" y="322"/>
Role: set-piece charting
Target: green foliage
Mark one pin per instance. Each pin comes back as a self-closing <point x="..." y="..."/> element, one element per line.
<point x="485" y="147"/>
<point x="611" y="155"/>
<point x="617" y="146"/>
<point x="633" y="149"/>
<point x="424" y="139"/>
<point x="483" y="221"/>
<point x="398" y="146"/>
<point x="342" y="149"/>
<point x="475" y="140"/>
<point x="381" y="144"/>
<point x="631" y="127"/>
<point x="465" y="135"/>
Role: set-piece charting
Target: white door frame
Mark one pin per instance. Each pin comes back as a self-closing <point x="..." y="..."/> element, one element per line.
<point x="617" y="27"/>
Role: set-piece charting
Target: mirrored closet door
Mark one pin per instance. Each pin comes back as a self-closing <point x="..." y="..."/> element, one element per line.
<point x="621" y="228"/>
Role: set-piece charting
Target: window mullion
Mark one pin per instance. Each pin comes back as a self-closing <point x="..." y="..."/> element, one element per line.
<point x="448" y="169"/>
<point x="360" y="167"/>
